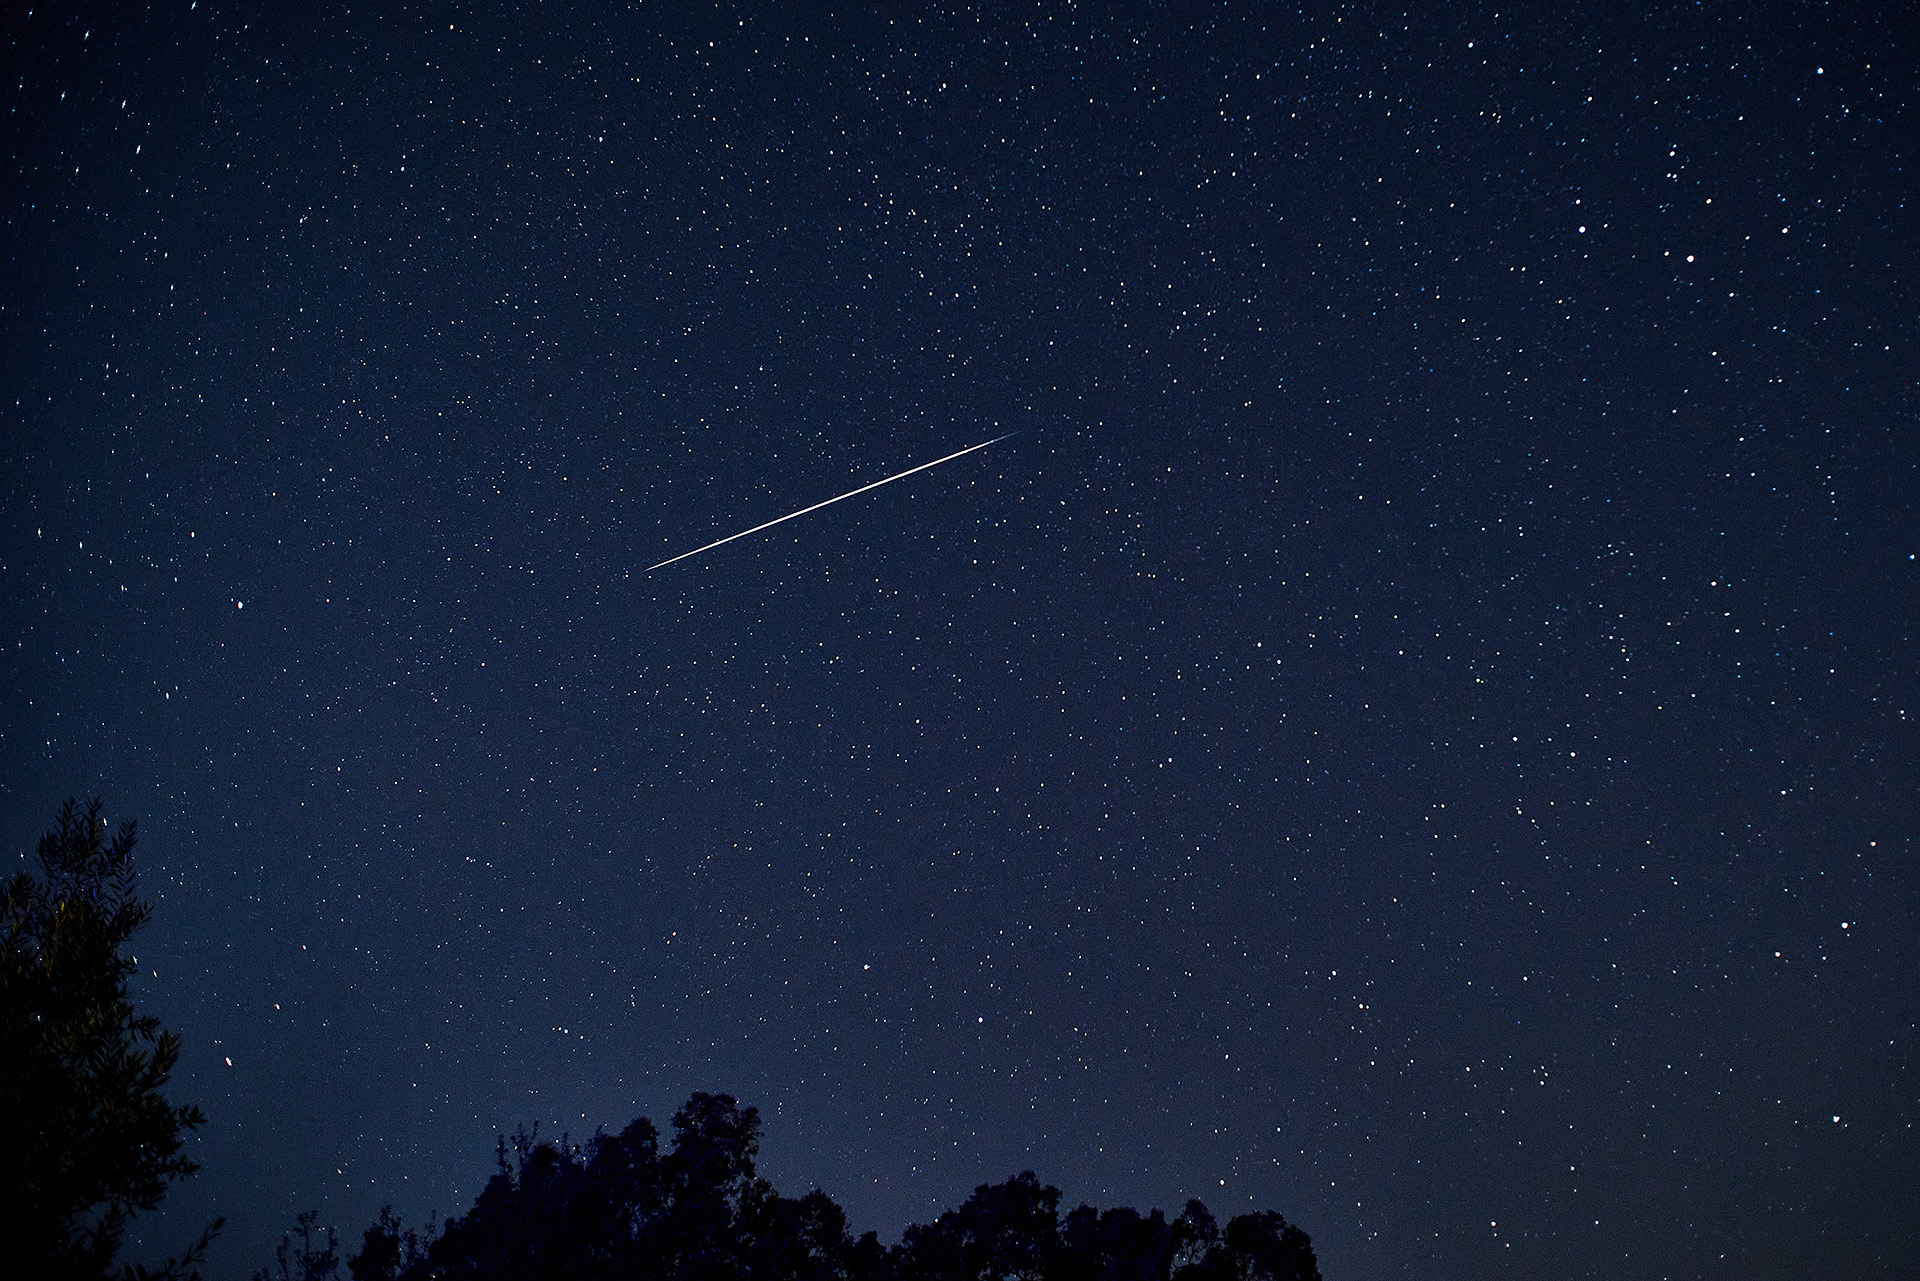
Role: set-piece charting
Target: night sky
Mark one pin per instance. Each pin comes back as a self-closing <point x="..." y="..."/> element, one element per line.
<point x="1414" y="727"/>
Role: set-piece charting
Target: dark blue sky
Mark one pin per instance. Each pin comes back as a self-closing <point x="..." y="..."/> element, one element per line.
<point x="1414" y="729"/>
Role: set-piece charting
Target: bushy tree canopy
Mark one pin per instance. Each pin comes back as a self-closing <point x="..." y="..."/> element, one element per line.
<point x="94" y="1142"/>
<point x="620" y="1209"/>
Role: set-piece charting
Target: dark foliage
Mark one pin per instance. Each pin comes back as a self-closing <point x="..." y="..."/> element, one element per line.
<point x="619" y="1209"/>
<point x="308" y="1253"/>
<point x="93" y="1142"/>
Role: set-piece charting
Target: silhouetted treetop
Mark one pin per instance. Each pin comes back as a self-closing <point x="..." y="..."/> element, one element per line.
<point x="619" y="1209"/>
<point x="93" y="1142"/>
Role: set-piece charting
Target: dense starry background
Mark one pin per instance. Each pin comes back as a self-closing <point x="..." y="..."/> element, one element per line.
<point x="1415" y="729"/>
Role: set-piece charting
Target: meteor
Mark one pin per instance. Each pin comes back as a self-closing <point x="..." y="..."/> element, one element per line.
<point x="830" y="502"/>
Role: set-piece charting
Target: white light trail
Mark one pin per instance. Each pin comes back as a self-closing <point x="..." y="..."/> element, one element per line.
<point x="852" y="493"/>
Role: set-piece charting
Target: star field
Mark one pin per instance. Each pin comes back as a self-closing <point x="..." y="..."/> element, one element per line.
<point x="1413" y="728"/>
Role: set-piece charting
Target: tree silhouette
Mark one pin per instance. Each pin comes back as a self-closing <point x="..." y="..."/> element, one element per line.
<point x="618" y="1209"/>
<point x="304" y="1258"/>
<point x="1005" y="1231"/>
<point x="1271" y="1249"/>
<point x="383" y="1250"/>
<point x="94" y="1141"/>
<point x="1117" y="1245"/>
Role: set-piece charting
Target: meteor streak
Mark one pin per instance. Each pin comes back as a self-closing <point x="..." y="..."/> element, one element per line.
<point x="830" y="502"/>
